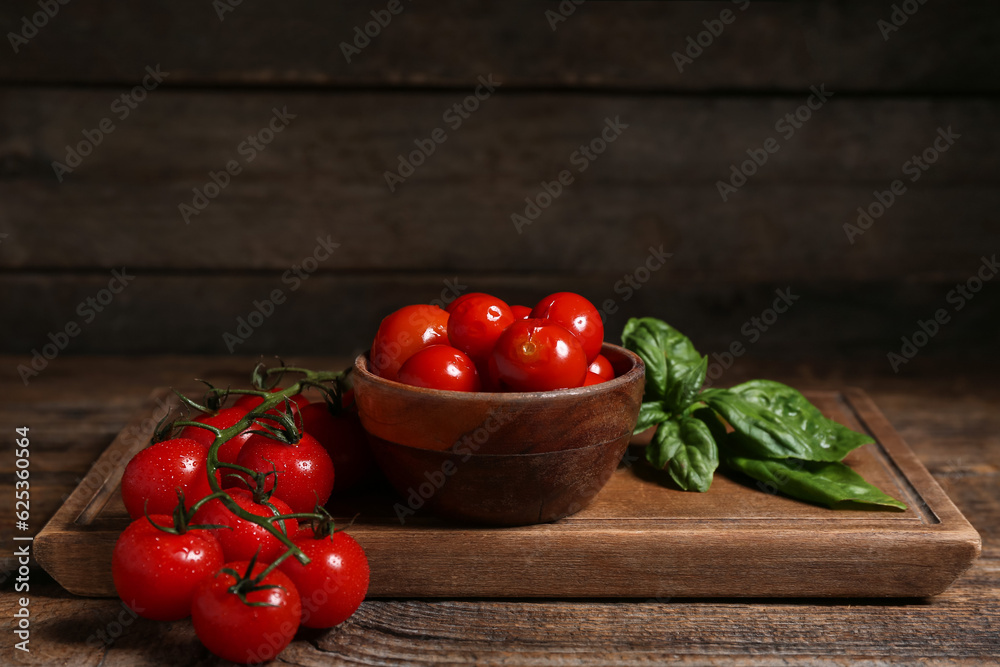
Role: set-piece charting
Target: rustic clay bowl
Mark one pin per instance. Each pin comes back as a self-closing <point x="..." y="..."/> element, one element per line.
<point x="500" y="458"/>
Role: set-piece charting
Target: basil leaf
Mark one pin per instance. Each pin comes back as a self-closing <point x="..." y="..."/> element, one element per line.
<point x="650" y="414"/>
<point x="669" y="357"/>
<point x="714" y="424"/>
<point x="687" y="449"/>
<point x="799" y="414"/>
<point x="685" y="381"/>
<point x="666" y="441"/>
<point x="832" y="484"/>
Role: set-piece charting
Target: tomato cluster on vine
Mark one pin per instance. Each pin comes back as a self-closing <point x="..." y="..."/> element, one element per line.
<point x="480" y="343"/>
<point x="229" y="525"/>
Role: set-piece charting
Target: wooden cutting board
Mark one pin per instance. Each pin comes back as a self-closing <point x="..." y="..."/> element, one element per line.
<point x="638" y="538"/>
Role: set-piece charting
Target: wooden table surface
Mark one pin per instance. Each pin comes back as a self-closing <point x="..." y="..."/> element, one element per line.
<point x="948" y="413"/>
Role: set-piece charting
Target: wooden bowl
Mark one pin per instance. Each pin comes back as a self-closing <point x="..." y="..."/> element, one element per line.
<point x="500" y="458"/>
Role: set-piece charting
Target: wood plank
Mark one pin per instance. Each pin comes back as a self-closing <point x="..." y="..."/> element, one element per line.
<point x="337" y="314"/>
<point x="601" y="45"/>
<point x="762" y="545"/>
<point x="656" y="185"/>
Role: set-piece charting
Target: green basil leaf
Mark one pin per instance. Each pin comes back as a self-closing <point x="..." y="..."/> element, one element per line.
<point x="667" y="353"/>
<point x="828" y="483"/>
<point x="651" y="414"/>
<point x="693" y="464"/>
<point x="666" y="441"/>
<point x="826" y="435"/>
<point x="714" y="424"/>
<point x="685" y="381"/>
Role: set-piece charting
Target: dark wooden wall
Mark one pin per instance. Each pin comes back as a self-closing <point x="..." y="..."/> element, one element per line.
<point x="655" y="185"/>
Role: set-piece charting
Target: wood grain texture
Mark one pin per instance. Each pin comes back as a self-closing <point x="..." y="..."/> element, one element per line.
<point x="761" y="545"/>
<point x="654" y="186"/>
<point x="945" y="412"/>
<point x="601" y="45"/>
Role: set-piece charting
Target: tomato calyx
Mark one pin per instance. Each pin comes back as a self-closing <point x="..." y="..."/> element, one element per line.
<point x="182" y="516"/>
<point x="246" y="584"/>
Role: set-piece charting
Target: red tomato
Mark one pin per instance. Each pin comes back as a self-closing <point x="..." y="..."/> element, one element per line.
<point x="334" y="583"/>
<point x="155" y="473"/>
<point x="236" y="631"/>
<point x="305" y="471"/>
<point x="402" y="333"/>
<point x="575" y="313"/>
<point x="602" y="367"/>
<point x="344" y="440"/>
<point x="451" y="306"/>
<point x="440" y="367"/>
<point x="230" y="449"/>
<point x="476" y="323"/>
<point x="592" y="378"/>
<point x="248" y="401"/>
<point x="241" y="538"/>
<point x="537" y="355"/>
<point x="155" y="572"/>
<point x="520" y="312"/>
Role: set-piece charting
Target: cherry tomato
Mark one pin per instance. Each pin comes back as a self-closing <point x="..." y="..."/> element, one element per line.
<point x="575" y="313"/>
<point x="592" y="378"/>
<point x="155" y="572"/>
<point x="223" y="419"/>
<point x="344" y="439"/>
<point x="234" y="630"/>
<point x="602" y="367"/>
<point x="334" y="583"/>
<point x="520" y="312"/>
<point x="451" y="306"/>
<point x="305" y="471"/>
<point x="476" y="323"/>
<point x="440" y="367"/>
<point x="155" y="473"/>
<point x="537" y="355"/>
<point x="240" y="538"/>
<point x="402" y="333"/>
<point x="248" y="401"/>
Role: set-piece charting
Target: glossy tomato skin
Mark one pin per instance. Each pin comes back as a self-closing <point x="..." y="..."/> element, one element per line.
<point x="575" y="313"/>
<point x="334" y="583"/>
<point x="592" y="378"/>
<point x="345" y="440"/>
<point x="241" y="633"/>
<point x="241" y="539"/>
<point x="520" y="312"/>
<point x="454" y="304"/>
<point x="155" y="473"/>
<point x="537" y="355"/>
<point x="602" y="367"/>
<point x="476" y="323"/>
<point x="440" y="367"/>
<point x="305" y="471"/>
<point x="223" y="419"/>
<point x="155" y="573"/>
<point x="402" y="333"/>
